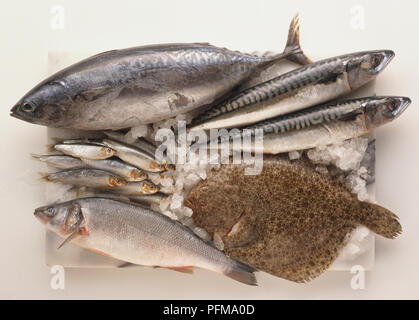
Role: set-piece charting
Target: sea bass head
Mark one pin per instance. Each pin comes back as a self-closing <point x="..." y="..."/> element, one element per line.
<point x="63" y="218"/>
<point x="363" y="67"/>
<point x="382" y="110"/>
<point x="46" y="104"/>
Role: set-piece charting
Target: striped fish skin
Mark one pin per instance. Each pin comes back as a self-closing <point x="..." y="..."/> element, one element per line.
<point x="298" y="89"/>
<point x="137" y="235"/>
<point x="125" y="88"/>
<point x="313" y="116"/>
<point x="375" y="113"/>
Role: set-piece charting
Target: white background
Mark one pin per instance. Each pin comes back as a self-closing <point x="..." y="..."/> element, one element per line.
<point x="326" y="27"/>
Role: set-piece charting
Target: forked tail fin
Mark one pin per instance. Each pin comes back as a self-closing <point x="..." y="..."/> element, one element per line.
<point x="380" y="220"/>
<point x="242" y="273"/>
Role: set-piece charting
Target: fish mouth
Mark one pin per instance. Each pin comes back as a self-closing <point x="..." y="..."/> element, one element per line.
<point x="388" y="56"/>
<point x="38" y="213"/>
<point x="404" y="103"/>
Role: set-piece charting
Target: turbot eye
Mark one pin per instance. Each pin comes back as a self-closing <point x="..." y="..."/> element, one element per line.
<point x="28" y="106"/>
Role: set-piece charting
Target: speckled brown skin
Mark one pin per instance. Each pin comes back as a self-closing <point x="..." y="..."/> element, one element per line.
<point x="289" y="221"/>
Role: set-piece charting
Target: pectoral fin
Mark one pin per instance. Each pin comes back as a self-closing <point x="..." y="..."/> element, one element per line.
<point x="72" y="236"/>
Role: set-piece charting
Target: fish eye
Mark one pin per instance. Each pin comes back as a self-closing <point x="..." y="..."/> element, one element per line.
<point x="377" y="59"/>
<point x="50" y="211"/>
<point x="28" y="106"/>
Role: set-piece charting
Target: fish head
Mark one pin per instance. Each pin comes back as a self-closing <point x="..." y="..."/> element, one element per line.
<point x="149" y="188"/>
<point x="382" y="110"/>
<point x="363" y="67"/>
<point x="115" y="181"/>
<point x="63" y="218"/>
<point x="47" y="104"/>
<point x="106" y="152"/>
<point x="137" y="175"/>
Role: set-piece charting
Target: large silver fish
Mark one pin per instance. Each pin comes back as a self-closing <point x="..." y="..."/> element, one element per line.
<point x="124" y="88"/>
<point x="298" y="89"/>
<point x="137" y="235"/>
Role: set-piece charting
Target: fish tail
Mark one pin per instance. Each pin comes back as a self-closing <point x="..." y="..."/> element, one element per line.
<point x="35" y="156"/>
<point x="44" y="176"/>
<point x="242" y="273"/>
<point x="380" y="220"/>
<point x="293" y="51"/>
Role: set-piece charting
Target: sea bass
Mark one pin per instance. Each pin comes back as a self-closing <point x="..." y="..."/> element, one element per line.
<point x="290" y="220"/>
<point x="124" y="88"/>
<point x="298" y="89"/>
<point x="137" y="235"/>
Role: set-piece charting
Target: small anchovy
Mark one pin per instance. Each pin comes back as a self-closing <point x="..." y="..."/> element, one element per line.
<point x="126" y="171"/>
<point x="86" y="177"/>
<point x="137" y="235"/>
<point x="125" y="88"/>
<point x="140" y="143"/>
<point x="86" y="151"/>
<point x="150" y="199"/>
<point x="298" y="89"/>
<point x="60" y="161"/>
<point x="134" y="156"/>
<point x="375" y="113"/>
<point x="137" y="188"/>
<point x="312" y="116"/>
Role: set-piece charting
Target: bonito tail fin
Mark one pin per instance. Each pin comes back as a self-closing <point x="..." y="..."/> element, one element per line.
<point x="293" y="51"/>
<point x="380" y="220"/>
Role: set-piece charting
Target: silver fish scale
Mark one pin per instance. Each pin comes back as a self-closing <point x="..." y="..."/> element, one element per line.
<point x="310" y="117"/>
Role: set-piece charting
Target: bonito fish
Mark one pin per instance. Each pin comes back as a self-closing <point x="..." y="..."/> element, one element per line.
<point x="124" y="88"/>
<point x="298" y="89"/>
<point x="137" y="235"/>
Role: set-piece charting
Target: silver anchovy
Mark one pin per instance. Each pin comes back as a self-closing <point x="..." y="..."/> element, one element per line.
<point x="86" y="151"/>
<point x="124" y="88"/>
<point x="124" y="170"/>
<point x="137" y="235"/>
<point x="86" y="177"/>
<point x="60" y="161"/>
<point x="140" y="143"/>
<point x="298" y="89"/>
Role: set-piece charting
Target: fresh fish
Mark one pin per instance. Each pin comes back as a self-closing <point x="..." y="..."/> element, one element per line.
<point x="137" y="188"/>
<point x="290" y="220"/>
<point x="150" y="199"/>
<point x="86" y="177"/>
<point x="370" y="114"/>
<point x="134" y="156"/>
<point x="124" y="170"/>
<point x="85" y="151"/>
<point x="137" y="235"/>
<point x="323" y="113"/>
<point x="125" y="88"/>
<point x="298" y="89"/>
<point x="83" y="141"/>
<point x="140" y="143"/>
<point x="60" y="161"/>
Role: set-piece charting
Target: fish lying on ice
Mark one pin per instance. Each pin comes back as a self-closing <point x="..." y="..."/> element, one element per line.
<point x="60" y="161"/>
<point x="137" y="188"/>
<point x="86" y="151"/>
<point x="86" y="177"/>
<point x="298" y="89"/>
<point x="137" y="235"/>
<point x="125" y="88"/>
<point x="365" y="116"/>
<point x="290" y="220"/>
<point x="124" y="170"/>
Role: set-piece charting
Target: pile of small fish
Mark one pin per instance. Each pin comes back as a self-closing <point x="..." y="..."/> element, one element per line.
<point x="290" y="221"/>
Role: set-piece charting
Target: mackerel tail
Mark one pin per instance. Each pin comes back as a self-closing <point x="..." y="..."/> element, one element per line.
<point x="295" y="90"/>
